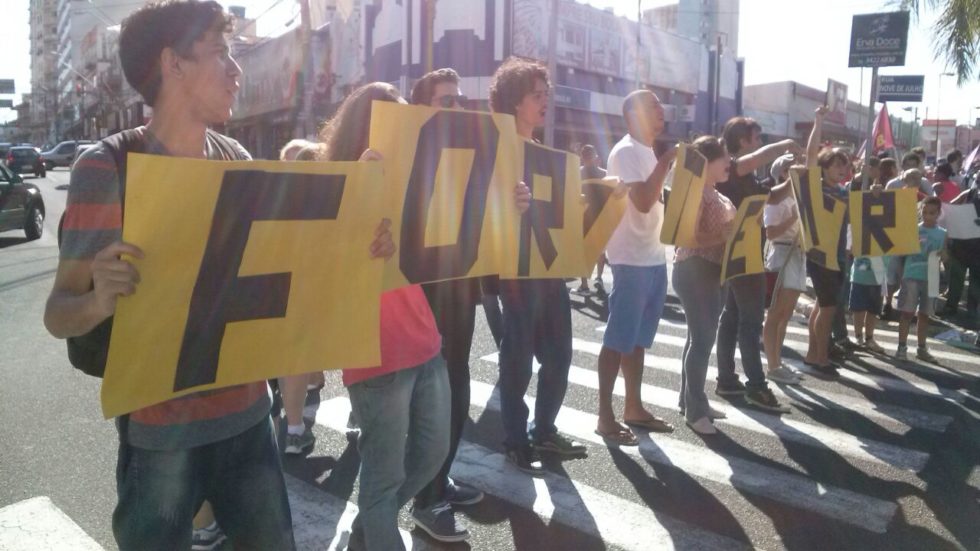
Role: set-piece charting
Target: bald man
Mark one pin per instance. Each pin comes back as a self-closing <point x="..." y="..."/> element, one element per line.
<point x="639" y="264"/>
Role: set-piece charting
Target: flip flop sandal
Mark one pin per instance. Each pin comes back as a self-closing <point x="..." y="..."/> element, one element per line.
<point x="621" y="437"/>
<point x="652" y="425"/>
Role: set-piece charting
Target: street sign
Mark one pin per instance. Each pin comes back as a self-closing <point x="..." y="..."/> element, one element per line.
<point x="879" y="39"/>
<point x="7" y="86"/>
<point x="6" y="104"/>
<point x="900" y="88"/>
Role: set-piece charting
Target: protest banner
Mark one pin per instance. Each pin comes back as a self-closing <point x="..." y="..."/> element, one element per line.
<point x="449" y="182"/>
<point x="681" y="210"/>
<point x="604" y="209"/>
<point x="884" y="222"/>
<point x="822" y="216"/>
<point x="551" y="239"/>
<point x="743" y="251"/>
<point x="245" y="285"/>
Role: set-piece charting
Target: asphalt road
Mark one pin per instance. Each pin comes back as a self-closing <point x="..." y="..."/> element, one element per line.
<point x="886" y="458"/>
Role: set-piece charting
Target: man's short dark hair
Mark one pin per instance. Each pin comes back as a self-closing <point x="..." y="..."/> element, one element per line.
<point x="588" y="150"/>
<point x="175" y="24"/>
<point x="954" y="156"/>
<point x="911" y="158"/>
<point x="919" y="152"/>
<point x="425" y="87"/>
<point x="513" y="80"/>
<point x="738" y="129"/>
<point x="944" y="170"/>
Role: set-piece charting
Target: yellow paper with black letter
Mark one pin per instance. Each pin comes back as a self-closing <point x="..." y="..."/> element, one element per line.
<point x="603" y="212"/>
<point x="884" y="223"/>
<point x="550" y="238"/>
<point x="743" y="252"/>
<point x="449" y="185"/>
<point x="244" y="284"/>
<point x="822" y="217"/>
<point x="681" y="210"/>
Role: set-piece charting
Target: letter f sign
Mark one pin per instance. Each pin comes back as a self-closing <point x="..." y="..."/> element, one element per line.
<point x="220" y="295"/>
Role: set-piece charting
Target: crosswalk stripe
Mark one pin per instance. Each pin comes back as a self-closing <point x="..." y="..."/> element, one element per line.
<point x="862" y="449"/>
<point x="37" y="523"/>
<point x="791" y="489"/>
<point x="323" y="521"/>
<point x="874" y="381"/>
<point x="615" y="520"/>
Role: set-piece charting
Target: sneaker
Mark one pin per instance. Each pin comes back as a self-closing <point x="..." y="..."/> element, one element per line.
<point x="298" y="443"/>
<point x="783" y="375"/>
<point x="828" y="372"/>
<point x="873" y="346"/>
<point x="846" y="344"/>
<point x="462" y="494"/>
<point x="766" y="400"/>
<point x="206" y="539"/>
<point x="439" y="521"/>
<point x="902" y="353"/>
<point x="838" y="352"/>
<point x="525" y="460"/>
<point x="923" y="354"/>
<point x="556" y="443"/>
<point x="734" y="388"/>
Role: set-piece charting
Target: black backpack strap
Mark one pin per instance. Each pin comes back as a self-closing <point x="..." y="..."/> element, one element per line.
<point x="119" y="146"/>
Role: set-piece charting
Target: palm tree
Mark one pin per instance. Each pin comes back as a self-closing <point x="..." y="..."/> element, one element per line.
<point x="956" y="34"/>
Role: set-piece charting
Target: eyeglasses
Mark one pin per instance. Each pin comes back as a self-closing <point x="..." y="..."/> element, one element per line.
<point x="451" y="101"/>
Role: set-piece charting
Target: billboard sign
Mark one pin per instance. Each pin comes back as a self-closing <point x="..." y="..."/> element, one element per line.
<point x="879" y="39"/>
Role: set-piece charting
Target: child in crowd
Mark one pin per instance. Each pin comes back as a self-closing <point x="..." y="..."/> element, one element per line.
<point x="916" y="279"/>
<point x="865" y="300"/>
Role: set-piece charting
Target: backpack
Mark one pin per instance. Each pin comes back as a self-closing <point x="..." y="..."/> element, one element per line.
<point x="89" y="352"/>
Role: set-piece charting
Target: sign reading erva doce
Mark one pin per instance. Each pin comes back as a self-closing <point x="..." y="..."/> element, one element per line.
<point x="879" y="39"/>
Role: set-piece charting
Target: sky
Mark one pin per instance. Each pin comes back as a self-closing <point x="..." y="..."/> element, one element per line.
<point x="802" y="40"/>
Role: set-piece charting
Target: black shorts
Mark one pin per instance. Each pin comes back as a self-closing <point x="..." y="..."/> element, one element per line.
<point x="826" y="283"/>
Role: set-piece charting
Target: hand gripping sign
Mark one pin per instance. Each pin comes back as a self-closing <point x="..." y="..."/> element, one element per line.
<point x="822" y="217"/>
<point x="681" y="210"/>
<point x="743" y="252"/>
<point x="884" y="222"/>
<point x="246" y="285"/>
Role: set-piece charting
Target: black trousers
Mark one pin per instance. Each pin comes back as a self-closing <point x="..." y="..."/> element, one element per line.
<point x="453" y="304"/>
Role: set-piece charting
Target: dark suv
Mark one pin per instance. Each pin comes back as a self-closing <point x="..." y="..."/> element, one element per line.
<point x="21" y="205"/>
<point x="25" y="158"/>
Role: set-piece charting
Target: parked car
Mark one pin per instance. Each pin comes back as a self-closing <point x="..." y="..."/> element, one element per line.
<point x="62" y="154"/>
<point x="21" y="205"/>
<point x="26" y="159"/>
<point x="4" y="148"/>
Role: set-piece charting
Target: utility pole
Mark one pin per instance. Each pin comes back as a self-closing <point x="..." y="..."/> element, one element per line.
<point x="870" y="144"/>
<point x="306" y="38"/>
<point x="715" y="108"/>
<point x="639" y="33"/>
<point x="549" y="125"/>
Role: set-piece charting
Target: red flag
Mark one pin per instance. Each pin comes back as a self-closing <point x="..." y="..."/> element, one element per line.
<point x="882" y="133"/>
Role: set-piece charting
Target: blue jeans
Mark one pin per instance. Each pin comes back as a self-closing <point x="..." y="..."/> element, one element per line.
<point x="404" y="421"/>
<point x="696" y="281"/>
<point x="741" y="323"/>
<point x="537" y="324"/>
<point x="161" y="491"/>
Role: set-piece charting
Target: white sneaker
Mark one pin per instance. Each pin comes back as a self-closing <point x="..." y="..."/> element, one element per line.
<point x="783" y="375"/>
<point x="703" y="426"/>
<point x="715" y="414"/>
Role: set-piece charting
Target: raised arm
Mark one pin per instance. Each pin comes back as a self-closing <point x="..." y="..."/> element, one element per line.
<point x="816" y="136"/>
<point x="646" y="194"/>
<point x="765" y="155"/>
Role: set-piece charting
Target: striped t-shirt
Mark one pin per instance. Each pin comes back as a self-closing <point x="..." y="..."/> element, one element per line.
<point x="93" y="220"/>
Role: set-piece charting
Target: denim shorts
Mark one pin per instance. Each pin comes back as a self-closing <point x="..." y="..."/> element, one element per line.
<point x="865" y="298"/>
<point x="915" y="294"/>
<point x="635" y="306"/>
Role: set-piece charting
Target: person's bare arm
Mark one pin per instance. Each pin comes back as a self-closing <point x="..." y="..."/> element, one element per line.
<point x="816" y="136"/>
<point x="646" y="194"/>
<point x="85" y="291"/>
<point x="773" y="232"/>
<point x="764" y="155"/>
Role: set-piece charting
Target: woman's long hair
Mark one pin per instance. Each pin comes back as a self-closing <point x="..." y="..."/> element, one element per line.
<point x="345" y="136"/>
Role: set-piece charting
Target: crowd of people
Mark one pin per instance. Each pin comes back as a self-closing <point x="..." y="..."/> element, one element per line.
<point x="215" y="453"/>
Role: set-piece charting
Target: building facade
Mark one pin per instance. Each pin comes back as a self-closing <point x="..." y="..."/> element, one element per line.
<point x="44" y="71"/>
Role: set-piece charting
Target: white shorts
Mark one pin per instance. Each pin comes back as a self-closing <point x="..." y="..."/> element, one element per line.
<point x="790" y="262"/>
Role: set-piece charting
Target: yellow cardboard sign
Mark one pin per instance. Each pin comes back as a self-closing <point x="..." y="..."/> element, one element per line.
<point x="884" y="223"/>
<point x="449" y="181"/>
<point x="822" y="217"/>
<point x="603" y="212"/>
<point x="743" y="252"/>
<point x="687" y="187"/>
<point x="550" y="240"/>
<point x="244" y="285"/>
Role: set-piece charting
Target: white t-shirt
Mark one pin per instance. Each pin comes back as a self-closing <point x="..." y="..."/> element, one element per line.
<point x="636" y="241"/>
<point x="773" y="215"/>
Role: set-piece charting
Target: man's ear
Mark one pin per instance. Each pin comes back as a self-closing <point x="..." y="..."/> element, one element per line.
<point x="170" y="63"/>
